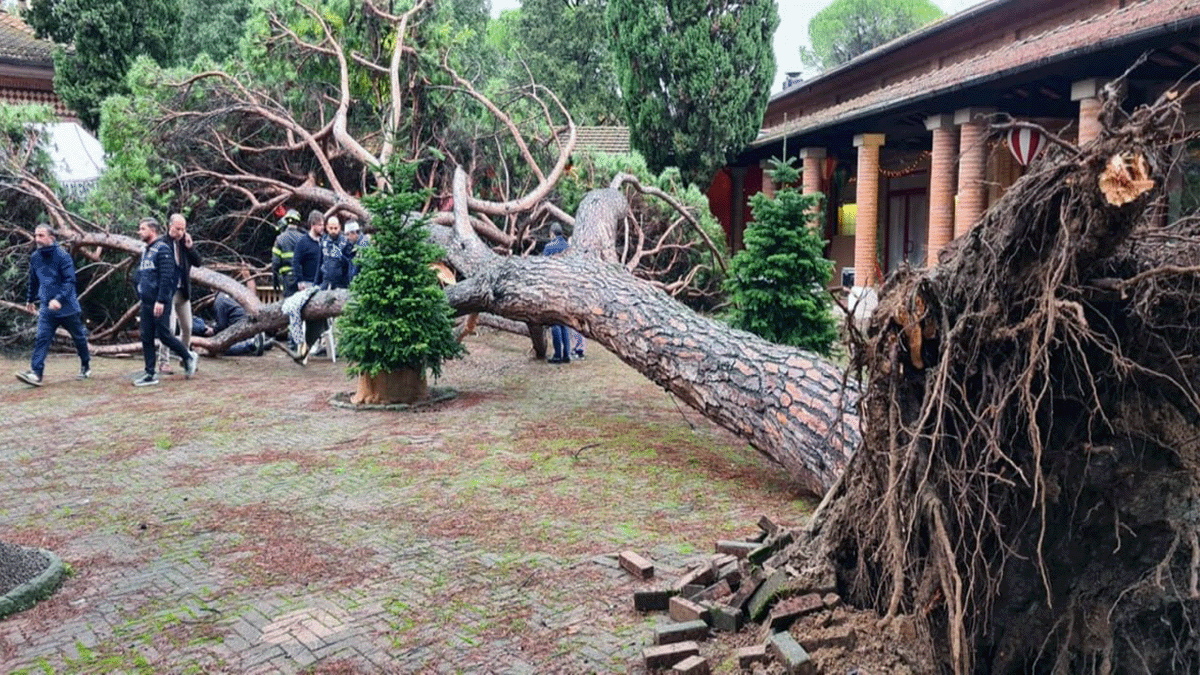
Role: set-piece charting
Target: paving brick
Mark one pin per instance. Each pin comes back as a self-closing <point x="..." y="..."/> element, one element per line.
<point x="665" y="656"/>
<point x="682" y="609"/>
<point x="702" y="575"/>
<point x="789" y="654"/>
<point x="727" y="619"/>
<point x="745" y="590"/>
<point x="692" y="665"/>
<point x="714" y="592"/>
<point x="636" y="565"/>
<point x="736" y="548"/>
<point x="766" y="595"/>
<point x="786" y="611"/>
<point x="682" y="631"/>
<point x="770" y="527"/>
<point x="748" y="656"/>
<point x="656" y="600"/>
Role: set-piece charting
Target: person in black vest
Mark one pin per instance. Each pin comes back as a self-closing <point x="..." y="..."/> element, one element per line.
<point x="156" y="289"/>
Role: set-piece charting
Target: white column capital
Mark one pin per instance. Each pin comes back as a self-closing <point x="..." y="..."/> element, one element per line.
<point x="1089" y="88"/>
<point x="870" y="140"/>
<point x="968" y="115"/>
<point x="812" y="153"/>
<point x="935" y="122"/>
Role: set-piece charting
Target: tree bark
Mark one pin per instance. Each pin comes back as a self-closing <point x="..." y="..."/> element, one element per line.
<point x="791" y="405"/>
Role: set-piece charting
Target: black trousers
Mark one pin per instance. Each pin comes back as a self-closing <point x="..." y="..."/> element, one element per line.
<point x="159" y="327"/>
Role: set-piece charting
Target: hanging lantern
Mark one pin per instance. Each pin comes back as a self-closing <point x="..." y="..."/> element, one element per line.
<point x="1025" y="144"/>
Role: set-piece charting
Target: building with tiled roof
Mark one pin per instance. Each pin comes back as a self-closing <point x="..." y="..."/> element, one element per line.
<point x="27" y="77"/>
<point x="898" y="139"/>
<point x="27" y="67"/>
<point x="609" y="139"/>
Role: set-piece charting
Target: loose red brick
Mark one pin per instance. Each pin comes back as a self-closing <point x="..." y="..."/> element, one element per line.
<point x="656" y="600"/>
<point x="787" y="611"/>
<point x="665" y="656"/>
<point x="748" y="656"/>
<point x="732" y="547"/>
<point x="636" y="565"/>
<point x="682" y="609"/>
<point x="683" y="631"/>
<point x="692" y="665"/>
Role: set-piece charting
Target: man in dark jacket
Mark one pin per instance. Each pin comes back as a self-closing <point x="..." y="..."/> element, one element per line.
<point x="186" y="257"/>
<point x="307" y="255"/>
<point x="156" y="290"/>
<point x="559" y="336"/>
<point x="307" y="259"/>
<point x="336" y="253"/>
<point x="52" y="287"/>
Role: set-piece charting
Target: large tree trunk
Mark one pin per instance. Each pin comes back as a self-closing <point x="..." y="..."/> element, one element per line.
<point x="793" y="406"/>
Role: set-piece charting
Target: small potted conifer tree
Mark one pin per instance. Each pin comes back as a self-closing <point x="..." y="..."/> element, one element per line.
<point x="397" y="325"/>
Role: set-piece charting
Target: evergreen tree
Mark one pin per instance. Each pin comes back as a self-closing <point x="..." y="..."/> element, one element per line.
<point x="695" y="76"/>
<point x="847" y="28"/>
<point x="777" y="285"/>
<point x="564" y="44"/>
<point x="397" y="317"/>
<point x="104" y="37"/>
<point x="212" y="27"/>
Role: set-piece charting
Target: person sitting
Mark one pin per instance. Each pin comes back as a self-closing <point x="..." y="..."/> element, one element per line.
<point x="229" y="312"/>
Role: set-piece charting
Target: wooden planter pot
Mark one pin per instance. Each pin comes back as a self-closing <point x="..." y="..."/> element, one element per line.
<point x="399" y="386"/>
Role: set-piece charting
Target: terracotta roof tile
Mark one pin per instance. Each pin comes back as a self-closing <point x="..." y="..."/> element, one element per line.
<point x="602" y="139"/>
<point x="18" y="43"/>
<point x="1092" y="34"/>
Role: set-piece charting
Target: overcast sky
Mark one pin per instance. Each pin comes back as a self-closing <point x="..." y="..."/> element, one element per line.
<point x="793" y="28"/>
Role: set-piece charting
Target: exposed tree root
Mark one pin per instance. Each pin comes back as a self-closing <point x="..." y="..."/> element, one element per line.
<point x="1028" y="482"/>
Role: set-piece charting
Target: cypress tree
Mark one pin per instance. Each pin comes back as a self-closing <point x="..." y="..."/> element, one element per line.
<point x="695" y="76"/>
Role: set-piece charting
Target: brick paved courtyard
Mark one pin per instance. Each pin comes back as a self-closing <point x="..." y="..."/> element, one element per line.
<point x="239" y="523"/>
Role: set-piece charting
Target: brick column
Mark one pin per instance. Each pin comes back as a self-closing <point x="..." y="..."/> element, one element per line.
<point x="941" y="184"/>
<point x="972" y="167"/>
<point x="813" y="159"/>
<point x="867" y="196"/>
<point x="768" y="184"/>
<point x="1087" y="92"/>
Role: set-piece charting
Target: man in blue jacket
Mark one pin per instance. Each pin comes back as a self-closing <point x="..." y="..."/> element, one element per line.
<point x="156" y="289"/>
<point x="559" y="335"/>
<point x="52" y="287"/>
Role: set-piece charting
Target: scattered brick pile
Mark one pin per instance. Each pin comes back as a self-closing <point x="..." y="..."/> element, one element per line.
<point x="745" y="585"/>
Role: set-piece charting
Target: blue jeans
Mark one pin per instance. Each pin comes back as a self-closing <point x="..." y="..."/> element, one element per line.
<point x="152" y="327"/>
<point x="45" y="335"/>
<point x="560" y="336"/>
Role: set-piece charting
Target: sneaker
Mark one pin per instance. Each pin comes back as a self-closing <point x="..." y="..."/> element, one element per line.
<point x="85" y="372"/>
<point x="260" y="344"/>
<point x="146" y="380"/>
<point x="193" y="362"/>
<point x="30" y="377"/>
